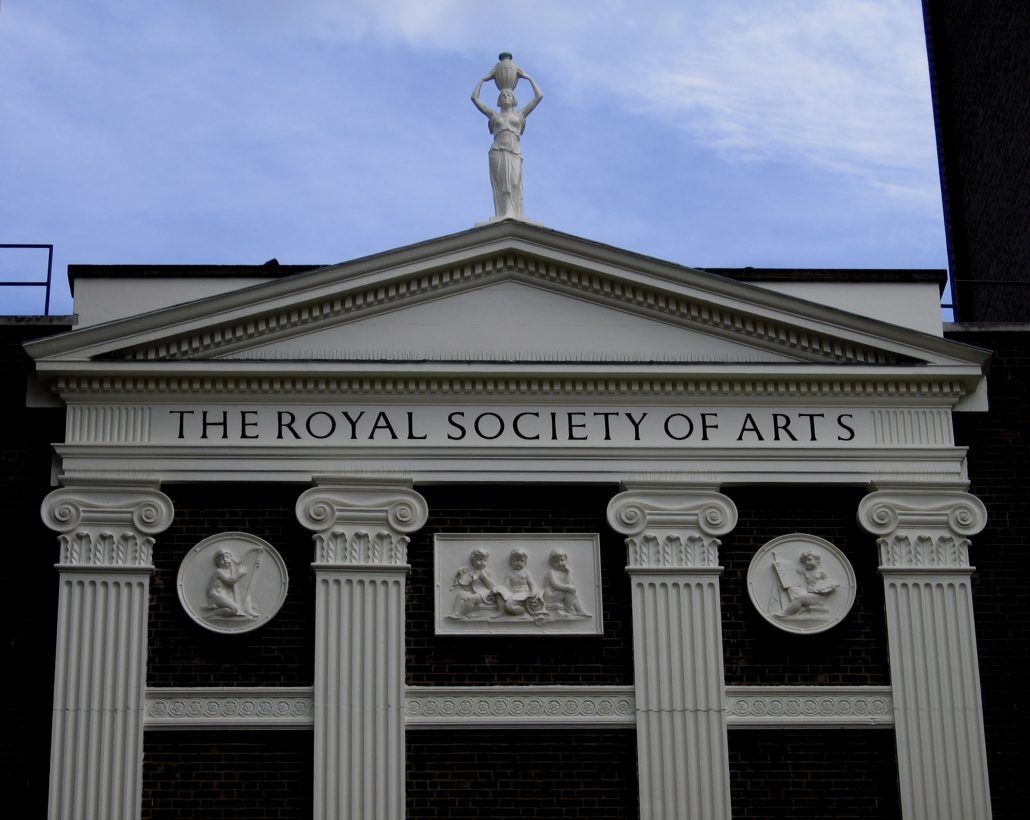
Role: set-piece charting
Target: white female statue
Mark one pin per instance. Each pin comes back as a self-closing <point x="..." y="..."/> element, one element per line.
<point x="506" y="126"/>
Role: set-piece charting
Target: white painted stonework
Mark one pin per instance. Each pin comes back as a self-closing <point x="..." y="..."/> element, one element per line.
<point x="518" y="584"/>
<point x="924" y="559"/>
<point x="801" y="583"/>
<point x="361" y="537"/>
<point x="673" y="562"/>
<point x="107" y="534"/>
<point x="503" y="355"/>
<point x="232" y="582"/>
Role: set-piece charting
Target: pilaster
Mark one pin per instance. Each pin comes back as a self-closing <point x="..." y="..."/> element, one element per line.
<point x="673" y="564"/>
<point x="106" y="538"/>
<point x="361" y="537"/>
<point x="924" y="561"/>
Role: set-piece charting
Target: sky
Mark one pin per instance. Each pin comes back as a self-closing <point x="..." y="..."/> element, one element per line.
<point x="765" y="133"/>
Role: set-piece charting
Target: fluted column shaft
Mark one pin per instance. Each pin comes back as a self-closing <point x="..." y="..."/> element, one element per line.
<point x="360" y="567"/>
<point x="673" y="563"/>
<point x="96" y="750"/>
<point x="924" y="560"/>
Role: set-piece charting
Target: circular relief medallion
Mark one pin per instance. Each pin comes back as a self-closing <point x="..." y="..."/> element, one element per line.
<point x="801" y="583"/>
<point x="232" y="582"/>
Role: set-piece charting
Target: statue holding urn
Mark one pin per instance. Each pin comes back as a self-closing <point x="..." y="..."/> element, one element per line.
<point x="506" y="126"/>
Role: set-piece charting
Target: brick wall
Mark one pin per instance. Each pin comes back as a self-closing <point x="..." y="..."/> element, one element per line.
<point x="227" y="776"/>
<point x="28" y="582"/>
<point x="469" y="775"/>
<point x="854" y="652"/>
<point x="519" y="660"/>
<point x="280" y="653"/>
<point x="999" y="470"/>
<point x="814" y="774"/>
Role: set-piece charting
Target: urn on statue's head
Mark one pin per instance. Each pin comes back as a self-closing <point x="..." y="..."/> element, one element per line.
<point x="506" y="72"/>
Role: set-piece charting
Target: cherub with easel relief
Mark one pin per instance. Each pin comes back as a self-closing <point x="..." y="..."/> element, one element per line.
<point x="806" y="587"/>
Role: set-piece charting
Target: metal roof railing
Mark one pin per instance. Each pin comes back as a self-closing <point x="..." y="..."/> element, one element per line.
<point x="21" y="283"/>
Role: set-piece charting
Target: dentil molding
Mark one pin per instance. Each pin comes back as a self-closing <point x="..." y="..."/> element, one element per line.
<point x="107" y="525"/>
<point x="362" y="522"/>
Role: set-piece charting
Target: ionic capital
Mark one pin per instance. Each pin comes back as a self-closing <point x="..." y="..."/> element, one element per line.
<point x="361" y="522"/>
<point x="922" y="526"/>
<point x="672" y="525"/>
<point x="107" y="525"/>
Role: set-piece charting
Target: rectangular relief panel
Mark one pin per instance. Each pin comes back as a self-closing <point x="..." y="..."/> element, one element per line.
<point x="518" y="584"/>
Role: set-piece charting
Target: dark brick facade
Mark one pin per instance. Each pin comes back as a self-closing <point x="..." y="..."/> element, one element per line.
<point x="280" y="653"/>
<point x="818" y="775"/>
<point x="854" y="652"/>
<point x="227" y="776"/>
<point x="519" y="660"/>
<point x="28" y="582"/>
<point x="999" y="469"/>
<point x="547" y="774"/>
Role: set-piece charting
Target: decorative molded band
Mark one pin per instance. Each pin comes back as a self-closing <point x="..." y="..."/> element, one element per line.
<point x="105" y="550"/>
<point x="783" y="706"/>
<point x="518" y="706"/>
<point x="653" y="553"/>
<point x="229" y="708"/>
<point x="362" y="522"/>
<point x="515" y="706"/>
<point x="107" y="525"/>
<point x="924" y="552"/>
<point x="361" y="548"/>
<point x="672" y="525"/>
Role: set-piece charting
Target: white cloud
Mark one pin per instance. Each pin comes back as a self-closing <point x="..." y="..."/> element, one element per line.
<point x="841" y="84"/>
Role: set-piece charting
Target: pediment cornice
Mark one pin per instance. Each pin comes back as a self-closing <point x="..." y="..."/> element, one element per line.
<point x="679" y="308"/>
<point x="222" y="329"/>
<point x="854" y="386"/>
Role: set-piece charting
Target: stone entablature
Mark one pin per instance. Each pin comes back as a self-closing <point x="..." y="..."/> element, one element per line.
<point x="670" y="423"/>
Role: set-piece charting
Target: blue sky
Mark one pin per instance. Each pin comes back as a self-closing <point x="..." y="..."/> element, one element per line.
<point x="771" y="133"/>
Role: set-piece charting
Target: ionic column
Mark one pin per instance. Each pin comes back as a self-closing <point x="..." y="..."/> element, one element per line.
<point x="360" y="566"/>
<point x="673" y="564"/>
<point x="96" y="748"/>
<point x="924" y="560"/>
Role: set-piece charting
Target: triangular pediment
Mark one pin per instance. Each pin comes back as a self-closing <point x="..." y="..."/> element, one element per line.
<point x="508" y="292"/>
<point x="507" y="321"/>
